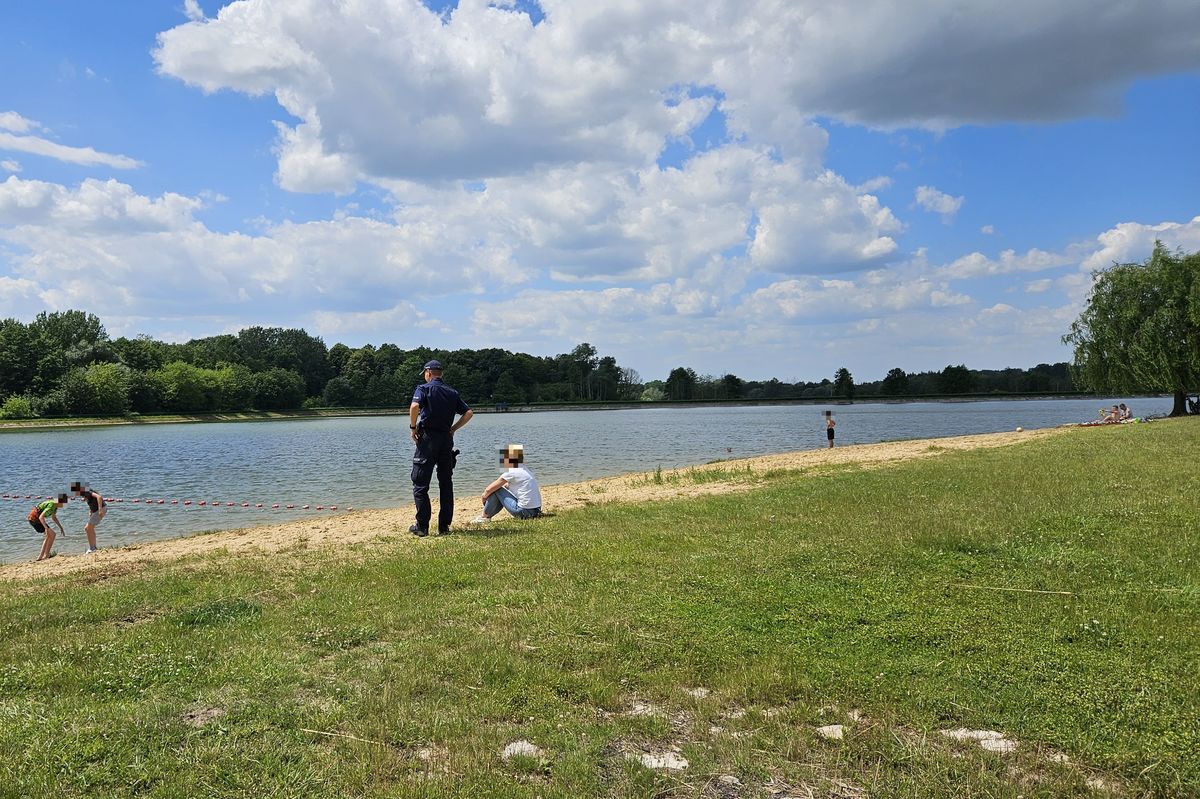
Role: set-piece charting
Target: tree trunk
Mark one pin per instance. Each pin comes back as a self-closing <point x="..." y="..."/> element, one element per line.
<point x="1180" y="406"/>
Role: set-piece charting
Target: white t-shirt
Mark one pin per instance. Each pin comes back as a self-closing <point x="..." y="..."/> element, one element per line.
<point x="524" y="487"/>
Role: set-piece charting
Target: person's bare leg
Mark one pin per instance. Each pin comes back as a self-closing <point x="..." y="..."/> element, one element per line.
<point x="90" y="529"/>
<point x="47" y="542"/>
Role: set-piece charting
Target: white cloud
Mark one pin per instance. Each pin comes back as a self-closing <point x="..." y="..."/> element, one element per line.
<point x="1133" y="241"/>
<point x="938" y="202"/>
<point x="96" y="206"/>
<point x="1038" y="286"/>
<point x="192" y="10"/>
<point x="880" y="292"/>
<point x="15" y="123"/>
<point x="18" y="295"/>
<point x="820" y="231"/>
<point x="36" y="145"/>
<point x="392" y="90"/>
<point x="403" y="316"/>
<point x="873" y="185"/>
<point x="977" y="264"/>
<point x="987" y="230"/>
<point x="9" y="165"/>
<point x="153" y="251"/>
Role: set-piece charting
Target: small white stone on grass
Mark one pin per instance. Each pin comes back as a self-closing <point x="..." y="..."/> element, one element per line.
<point x="729" y="779"/>
<point x="963" y="734"/>
<point x="989" y="740"/>
<point x="663" y="759"/>
<point x="698" y="693"/>
<point x="1001" y="746"/>
<point x="640" y="708"/>
<point x="831" y="732"/>
<point x="521" y="747"/>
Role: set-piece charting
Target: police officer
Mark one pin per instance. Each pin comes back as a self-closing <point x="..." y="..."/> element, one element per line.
<point x="431" y="425"/>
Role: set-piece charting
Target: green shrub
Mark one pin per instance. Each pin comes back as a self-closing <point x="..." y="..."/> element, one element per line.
<point x="16" y="407"/>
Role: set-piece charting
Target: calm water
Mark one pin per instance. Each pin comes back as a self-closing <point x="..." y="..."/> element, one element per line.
<point x="364" y="462"/>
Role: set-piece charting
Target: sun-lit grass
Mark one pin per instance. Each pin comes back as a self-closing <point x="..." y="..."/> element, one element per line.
<point x="404" y="667"/>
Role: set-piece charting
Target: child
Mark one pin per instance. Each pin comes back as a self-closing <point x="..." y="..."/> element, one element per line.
<point x="40" y="517"/>
<point x="516" y="490"/>
<point x="829" y="425"/>
<point x="96" y="510"/>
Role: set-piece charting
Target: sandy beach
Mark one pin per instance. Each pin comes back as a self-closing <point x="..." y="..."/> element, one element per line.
<point x="358" y="526"/>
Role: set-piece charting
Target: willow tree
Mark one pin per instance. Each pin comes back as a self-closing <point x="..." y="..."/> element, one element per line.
<point x="1140" y="330"/>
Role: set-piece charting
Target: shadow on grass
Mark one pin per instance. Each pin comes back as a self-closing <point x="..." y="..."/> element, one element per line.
<point x="496" y="529"/>
<point x="488" y="530"/>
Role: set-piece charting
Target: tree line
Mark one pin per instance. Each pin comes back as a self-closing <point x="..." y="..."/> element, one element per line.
<point x="684" y="384"/>
<point x="1139" y="332"/>
<point x="65" y="364"/>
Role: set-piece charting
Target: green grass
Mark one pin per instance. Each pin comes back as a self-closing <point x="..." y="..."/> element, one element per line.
<point x="404" y="667"/>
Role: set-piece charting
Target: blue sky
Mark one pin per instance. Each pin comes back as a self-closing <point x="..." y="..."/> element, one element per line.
<point x="735" y="187"/>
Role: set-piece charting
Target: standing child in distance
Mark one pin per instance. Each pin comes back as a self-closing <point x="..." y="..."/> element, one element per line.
<point x="830" y="423"/>
<point x="40" y="517"/>
<point x="516" y="490"/>
<point x="96" y="511"/>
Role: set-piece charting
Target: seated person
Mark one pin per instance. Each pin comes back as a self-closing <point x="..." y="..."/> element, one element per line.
<point x="516" y="490"/>
<point x="1111" y="416"/>
<point x="1126" y="413"/>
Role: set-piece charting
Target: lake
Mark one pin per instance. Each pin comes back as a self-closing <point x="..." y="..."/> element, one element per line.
<point x="364" y="462"/>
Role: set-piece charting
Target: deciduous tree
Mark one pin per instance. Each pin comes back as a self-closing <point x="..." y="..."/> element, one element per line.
<point x="1140" y="329"/>
<point x="843" y="383"/>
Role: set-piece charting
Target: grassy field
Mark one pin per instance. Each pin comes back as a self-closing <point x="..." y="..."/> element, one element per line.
<point x="729" y="632"/>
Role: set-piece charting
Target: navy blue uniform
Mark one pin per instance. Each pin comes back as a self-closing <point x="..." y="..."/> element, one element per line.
<point x="435" y="450"/>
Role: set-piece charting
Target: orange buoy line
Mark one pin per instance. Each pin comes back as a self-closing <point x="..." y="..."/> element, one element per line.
<point x="188" y="503"/>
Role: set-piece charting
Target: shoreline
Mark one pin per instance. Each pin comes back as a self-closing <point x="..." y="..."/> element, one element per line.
<point x="42" y="425"/>
<point x="364" y="525"/>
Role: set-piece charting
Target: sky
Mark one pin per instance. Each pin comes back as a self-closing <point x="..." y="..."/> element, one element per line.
<point x="768" y="188"/>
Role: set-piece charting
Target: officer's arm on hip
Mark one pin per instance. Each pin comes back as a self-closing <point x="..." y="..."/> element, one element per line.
<point x="462" y="420"/>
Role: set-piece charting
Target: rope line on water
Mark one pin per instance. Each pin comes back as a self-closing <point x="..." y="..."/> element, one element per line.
<point x="190" y="503"/>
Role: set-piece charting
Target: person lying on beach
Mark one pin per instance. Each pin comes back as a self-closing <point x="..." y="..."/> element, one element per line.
<point x="516" y="490"/>
<point x="96" y="510"/>
<point x="40" y="517"/>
